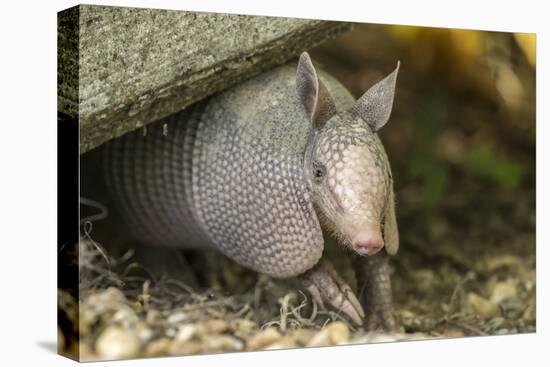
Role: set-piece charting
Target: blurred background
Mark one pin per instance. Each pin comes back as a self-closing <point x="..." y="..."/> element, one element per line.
<point x="461" y="142"/>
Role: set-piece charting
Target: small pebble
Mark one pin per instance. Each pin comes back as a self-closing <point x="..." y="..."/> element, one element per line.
<point x="177" y="317"/>
<point x="243" y="328"/>
<point x="503" y="290"/>
<point x="216" y="326"/>
<point x="302" y="336"/>
<point x="530" y="314"/>
<point x="98" y="304"/>
<point x="143" y="332"/>
<point x="530" y="276"/>
<point x="152" y="316"/>
<point x="335" y="333"/>
<point x="86" y="353"/>
<point x="283" y="343"/>
<point x="222" y="343"/>
<point x="185" y="348"/>
<point x="107" y="299"/>
<point x="481" y="306"/>
<point x="263" y="338"/>
<point x="125" y="316"/>
<point x="452" y="333"/>
<point x="185" y="332"/>
<point x="157" y="348"/>
<point x="117" y="343"/>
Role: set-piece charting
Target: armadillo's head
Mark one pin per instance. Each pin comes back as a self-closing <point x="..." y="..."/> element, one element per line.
<point x="345" y="162"/>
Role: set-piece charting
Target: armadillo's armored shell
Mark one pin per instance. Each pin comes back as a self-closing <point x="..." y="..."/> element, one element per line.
<point x="148" y="173"/>
<point x="228" y="173"/>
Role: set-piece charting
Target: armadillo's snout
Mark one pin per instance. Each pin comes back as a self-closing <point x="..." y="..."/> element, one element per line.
<point x="368" y="243"/>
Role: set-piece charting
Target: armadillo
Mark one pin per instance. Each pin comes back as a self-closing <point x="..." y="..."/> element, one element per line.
<point x="257" y="170"/>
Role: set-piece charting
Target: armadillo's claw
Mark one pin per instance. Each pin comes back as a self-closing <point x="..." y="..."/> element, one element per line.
<point x="325" y="284"/>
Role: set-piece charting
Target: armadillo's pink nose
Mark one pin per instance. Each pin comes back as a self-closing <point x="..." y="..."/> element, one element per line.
<point x="368" y="245"/>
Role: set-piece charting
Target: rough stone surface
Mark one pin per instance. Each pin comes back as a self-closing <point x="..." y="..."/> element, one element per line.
<point x="67" y="62"/>
<point x="138" y="65"/>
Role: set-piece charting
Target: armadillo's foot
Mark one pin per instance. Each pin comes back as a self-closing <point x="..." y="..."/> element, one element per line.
<point x="380" y="320"/>
<point x="325" y="284"/>
<point x="374" y="290"/>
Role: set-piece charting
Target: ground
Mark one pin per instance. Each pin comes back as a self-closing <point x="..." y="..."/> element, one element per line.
<point x="461" y="143"/>
<point x="126" y="311"/>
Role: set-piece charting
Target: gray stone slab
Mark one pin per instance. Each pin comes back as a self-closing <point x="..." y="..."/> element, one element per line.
<point x="122" y="68"/>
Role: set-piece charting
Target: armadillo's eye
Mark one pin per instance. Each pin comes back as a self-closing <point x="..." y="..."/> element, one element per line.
<point x="319" y="172"/>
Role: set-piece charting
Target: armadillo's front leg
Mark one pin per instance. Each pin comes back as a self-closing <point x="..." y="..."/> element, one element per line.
<point x="374" y="290"/>
<point x="325" y="284"/>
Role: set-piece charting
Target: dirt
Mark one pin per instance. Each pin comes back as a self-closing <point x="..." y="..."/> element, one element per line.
<point x="132" y="313"/>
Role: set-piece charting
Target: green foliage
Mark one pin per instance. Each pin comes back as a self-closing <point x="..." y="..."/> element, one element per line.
<point x="433" y="176"/>
<point x="431" y="172"/>
<point x="482" y="162"/>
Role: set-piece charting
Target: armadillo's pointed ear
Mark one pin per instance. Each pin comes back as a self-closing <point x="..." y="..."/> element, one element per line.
<point x="315" y="97"/>
<point x="376" y="104"/>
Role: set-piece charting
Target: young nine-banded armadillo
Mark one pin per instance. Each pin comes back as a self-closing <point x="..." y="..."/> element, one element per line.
<point x="254" y="171"/>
